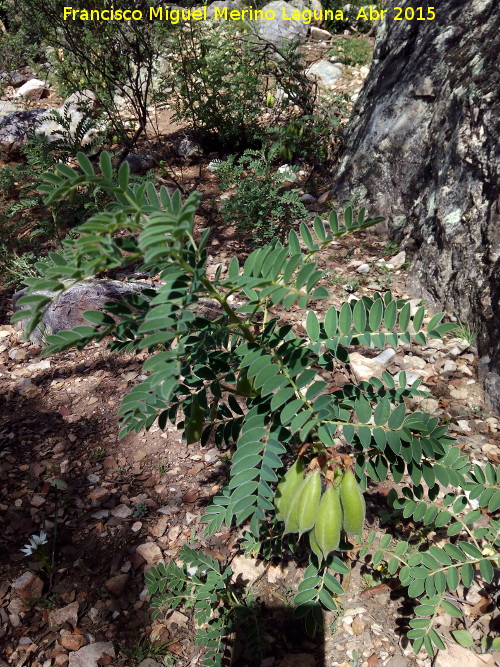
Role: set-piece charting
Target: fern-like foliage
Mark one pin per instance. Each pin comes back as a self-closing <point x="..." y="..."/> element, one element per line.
<point x="260" y="387"/>
<point x="81" y="136"/>
<point x="218" y="607"/>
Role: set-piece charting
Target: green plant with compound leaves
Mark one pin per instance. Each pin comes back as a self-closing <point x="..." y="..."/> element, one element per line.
<point x="261" y="206"/>
<point x="338" y="440"/>
<point x="219" y="607"/>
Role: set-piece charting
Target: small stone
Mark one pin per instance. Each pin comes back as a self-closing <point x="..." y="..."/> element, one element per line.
<point x="150" y="551"/>
<point x="94" y="614"/>
<point x="34" y="89"/>
<point x="17" y="354"/>
<point x="429" y="405"/>
<point x="326" y="196"/>
<point x="37" y="501"/>
<point x="117" y="584"/>
<point x="92" y="655"/>
<point x="307" y="198"/>
<point x="398" y="260"/>
<point x="463" y="424"/>
<point x="363" y="268"/>
<point x="68" y="614"/>
<point x="320" y="35"/>
<point x="455" y="655"/>
<point x="121" y="511"/>
<point x="28" y="586"/>
<point x="397" y="660"/>
<point x="160" y="526"/>
<point x="460" y="393"/>
<point x="149" y="662"/>
<point x="449" y="366"/>
<point x="358" y="625"/>
<point x="99" y="496"/>
<point x="414" y="363"/>
<point x="365" y="368"/>
<point x="181" y="620"/>
<point x="326" y="72"/>
<point x="140" y="455"/>
<point x="73" y="642"/>
<point x="136" y="526"/>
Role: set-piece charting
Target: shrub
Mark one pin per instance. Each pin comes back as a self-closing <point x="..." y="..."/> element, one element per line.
<point x="257" y="385"/>
<point x="112" y="59"/>
<point x="260" y="205"/>
<point x="225" y="79"/>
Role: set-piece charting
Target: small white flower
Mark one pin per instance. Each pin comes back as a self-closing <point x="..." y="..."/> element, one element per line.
<point x="35" y="542"/>
<point x="40" y="539"/>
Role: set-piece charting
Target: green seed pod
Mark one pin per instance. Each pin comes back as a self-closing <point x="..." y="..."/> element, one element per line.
<point x="353" y="504"/>
<point x="307" y="506"/>
<point x="288" y="484"/>
<point x="194" y="423"/>
<point x="313" y="543"/>
<point x="329" y="521"/>
<point x="290" y="513"/>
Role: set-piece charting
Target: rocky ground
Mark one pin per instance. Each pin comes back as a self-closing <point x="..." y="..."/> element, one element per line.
<point x="133" y="502"/>
<point x="124" y="505"/>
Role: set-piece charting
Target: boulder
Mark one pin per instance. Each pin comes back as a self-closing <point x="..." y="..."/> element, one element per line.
<point x="65" y="312"/>
<point x="35" y="89"/>
<point x="326" y="72"/>
<point x="16" y="126"/>
<point x="422" y="150"/>
<point x="278" y="31"/>
<point x="220" y="4"/>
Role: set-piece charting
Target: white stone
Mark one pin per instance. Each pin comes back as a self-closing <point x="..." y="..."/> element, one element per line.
<point x="365" y="368"/>
<point x="398" y="260"/>
<point x="121" y="511"/>
<point x="88" y="656"/>
<point x="364" y="268"/>
<point x="326" y="72"/>
<point x="34" y="86"/>
<point x="449" y="366"/>
<point x="456" y="655"/>
<point x="429" y="405"/>
<point x="150" y="551"/>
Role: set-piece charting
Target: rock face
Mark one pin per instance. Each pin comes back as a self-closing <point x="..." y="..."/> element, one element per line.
<point x="66" y="311"/>
<point x="422" y="149"/>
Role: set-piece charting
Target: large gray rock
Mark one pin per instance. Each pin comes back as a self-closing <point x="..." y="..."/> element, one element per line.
<point x="278" y="31"/>
<point x="221" y="4"/>
<point x="65" y="312"/>
<point x="16" y="124"/>
<point x="422" y="149"/>
<point x="327" y="73"/>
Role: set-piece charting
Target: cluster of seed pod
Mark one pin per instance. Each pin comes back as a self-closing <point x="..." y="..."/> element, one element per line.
<point x="304" y="508"/>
